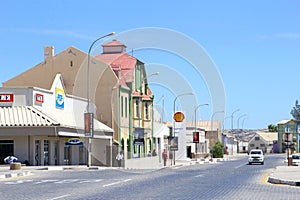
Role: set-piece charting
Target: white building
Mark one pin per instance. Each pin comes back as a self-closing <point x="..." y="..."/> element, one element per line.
<point x="46" y="127"/>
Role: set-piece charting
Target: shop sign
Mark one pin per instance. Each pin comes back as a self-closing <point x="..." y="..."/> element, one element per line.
<point x="6" y="97"/>
<point x="59" y="98"/>
<point x="73" y="141"/>
<point x="39" y="98"/>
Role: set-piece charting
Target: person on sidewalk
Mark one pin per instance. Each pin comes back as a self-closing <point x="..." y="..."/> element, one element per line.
<point x="119" y="158"/>
<point x="165" y="156"/>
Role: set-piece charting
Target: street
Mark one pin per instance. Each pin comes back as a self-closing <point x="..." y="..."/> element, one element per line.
<point x="225" y="180"/>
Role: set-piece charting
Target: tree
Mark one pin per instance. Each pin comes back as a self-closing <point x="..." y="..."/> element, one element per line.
<point x="272" y="128"/>
<point x="217" y="150"/>
<point x="295" y="112"/>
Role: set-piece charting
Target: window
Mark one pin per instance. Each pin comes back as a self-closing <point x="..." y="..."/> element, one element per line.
<point x="122" y="107"/>
<point x="137" y="108"/>
<point x="126" y="108"/>
<point x="256" y="138"/>
<point x="146" y="110"/>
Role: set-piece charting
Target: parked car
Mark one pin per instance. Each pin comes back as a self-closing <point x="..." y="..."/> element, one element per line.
<point x="296" y="159"/>
<point x="256" y="156"/>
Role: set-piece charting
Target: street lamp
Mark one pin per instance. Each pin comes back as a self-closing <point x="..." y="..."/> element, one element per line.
<point x="243" y="122"/>
<point x="212" y="116"/>
<point x="88" y="116"/>
<point x="232" y="117"/>
<point x="238" y="121"/>
<point x="142" y="82"/>
<point x="196" y="108"/>
<point x="184" y="94"/>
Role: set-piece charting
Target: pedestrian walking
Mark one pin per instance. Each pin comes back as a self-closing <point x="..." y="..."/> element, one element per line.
<point x="165" y="156"/>
<point x="119" y="158"/>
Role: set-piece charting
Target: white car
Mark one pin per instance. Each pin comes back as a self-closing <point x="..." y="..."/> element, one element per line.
<point x="296" y="159"/>
<point x="256" y="156"/>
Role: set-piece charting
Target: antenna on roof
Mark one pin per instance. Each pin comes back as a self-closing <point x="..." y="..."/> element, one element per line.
<point x="132" y="52"/>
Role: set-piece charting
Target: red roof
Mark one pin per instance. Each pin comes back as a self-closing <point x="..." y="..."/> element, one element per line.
<point x="120" y="61"/>
<point x="146" y="97"/>
<point x="113" y="43"/>
<point x="136" y="94"/>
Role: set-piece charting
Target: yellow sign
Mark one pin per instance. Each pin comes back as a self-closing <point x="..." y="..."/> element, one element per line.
<point x="178" y="117"/>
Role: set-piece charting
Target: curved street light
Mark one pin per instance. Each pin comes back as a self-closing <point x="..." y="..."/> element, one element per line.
<point x="238" y="121"/>
<point x="232" y="117"/>
<point x="183" y="94"/>
<point x="88" y="117"/>
<point x="196" y="108"/>
<point x="212" y="116"/>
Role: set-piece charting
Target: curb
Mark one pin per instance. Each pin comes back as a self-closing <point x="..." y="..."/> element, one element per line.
<point x="12" y="175"/>
<point x="283" y="182"/>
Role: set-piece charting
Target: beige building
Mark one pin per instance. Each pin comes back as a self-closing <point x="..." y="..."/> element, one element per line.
<point x="72" y="65"/>
<point x="117" y="88"/>
<point x="134" y="124"/>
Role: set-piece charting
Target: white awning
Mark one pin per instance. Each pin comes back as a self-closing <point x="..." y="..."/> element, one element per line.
<point x="24" y="116"/>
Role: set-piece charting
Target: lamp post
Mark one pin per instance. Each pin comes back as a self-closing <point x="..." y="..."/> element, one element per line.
<point x="238" y="121"/>
<point x="184" y="94"/>
<point x="287" y="140"/>
<point x="196" y="108"/>
<point x="232" y="117"/>
<point x="212" y="117"/>
<point x="144" y="78"/>
<point x="243" y="122"/>
<point x="88" y="116"/>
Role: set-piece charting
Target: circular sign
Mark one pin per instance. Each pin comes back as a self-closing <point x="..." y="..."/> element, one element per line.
<point x="178" y="117"/>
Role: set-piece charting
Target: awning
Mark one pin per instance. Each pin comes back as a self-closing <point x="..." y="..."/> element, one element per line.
<point x="24" y="116"/>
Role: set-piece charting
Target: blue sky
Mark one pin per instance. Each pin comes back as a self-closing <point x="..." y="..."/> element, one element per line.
<point x="255" y="45"/>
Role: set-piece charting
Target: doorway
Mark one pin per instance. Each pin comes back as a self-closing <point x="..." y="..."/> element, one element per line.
<point x="6" y="148"/>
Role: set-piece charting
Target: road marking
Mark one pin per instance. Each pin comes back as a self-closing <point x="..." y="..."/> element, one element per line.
<point x="265" y="178"/>
<point x="200" y="175"/>
<point x="239" y="166"/>
<point x="18" y="182"/>
<point x="45" y="181"/>
<point x="60" y="197"/>
<point x="115" y="183"/>
<point x="91" y="181"/>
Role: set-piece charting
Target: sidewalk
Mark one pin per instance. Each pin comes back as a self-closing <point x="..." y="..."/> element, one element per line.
<point x="5" y="171"/>
<point x="287" y="175"/>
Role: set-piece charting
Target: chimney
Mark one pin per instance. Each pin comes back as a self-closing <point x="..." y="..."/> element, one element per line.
<point x="48" y="52"/>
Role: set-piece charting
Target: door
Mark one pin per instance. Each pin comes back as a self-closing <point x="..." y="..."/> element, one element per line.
<point x="6" y="149"/>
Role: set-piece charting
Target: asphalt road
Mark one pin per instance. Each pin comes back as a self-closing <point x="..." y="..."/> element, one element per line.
<point x="227" y="180"/>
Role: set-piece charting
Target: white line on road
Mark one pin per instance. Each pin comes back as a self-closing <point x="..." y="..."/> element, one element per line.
<point x="200" y="175"/>
<point x="239" y="166"/>
<point x="118" y="182"/>
<point x="60" y="197"/>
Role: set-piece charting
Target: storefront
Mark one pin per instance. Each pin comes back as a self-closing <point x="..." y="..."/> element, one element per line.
<point x="46" y="127"/>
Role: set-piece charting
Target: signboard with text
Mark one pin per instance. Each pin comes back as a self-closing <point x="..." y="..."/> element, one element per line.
<point x="139" y="136"/>
<point x="6" y="98"/>
<point x="173" y="142"/>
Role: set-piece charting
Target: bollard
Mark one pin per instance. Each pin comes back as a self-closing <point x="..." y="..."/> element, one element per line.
<point x="15" y="166"/>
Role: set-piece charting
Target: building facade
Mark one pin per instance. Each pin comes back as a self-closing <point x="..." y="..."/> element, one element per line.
<point x="46" y="127"/>
<point x="134" y="124"/>
<point x="290" y="128"/>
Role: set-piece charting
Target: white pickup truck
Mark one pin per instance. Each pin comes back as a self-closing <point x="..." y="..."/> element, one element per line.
<point x="256" y="156"/>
